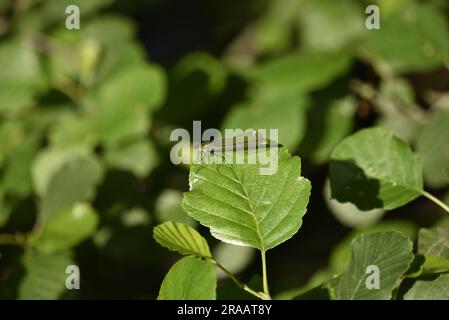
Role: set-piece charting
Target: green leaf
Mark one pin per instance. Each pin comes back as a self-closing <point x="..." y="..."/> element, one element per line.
<point x="433" y="147"/>
<point x="297" y="72"/>
<point x="415" y="38"/>
<point x="434" y="242"/>
<point x="17" y="173"/>
<point x="329" y="24"/>
<point x="21" y="76"/>
<point x="45" y="276"/>
<point x="169" y="207"/>
<point x="391" y="252"/>
<point x="47" y="164"/>
<point x="67" y="229"/>
<point x="94" y="55"/>
<point x="121" y="107"/>
<point x="328" y="122"/>
<point x="435" y="264"/>
<point x="181" y="238"/>
<point x="341" y="255"/>
<point x="399" y="112"/>
<point x="75" y="181"/>
<point x="436" y="289"/>
<point x="189" y="279"/>
<point x="243" y="207"/>
<point x="139" y="157"/>
<point x="264" y="112"/>
<point x="374" y="169"/>
<point x="72" y="130"/>
<point x="274" y="30"/>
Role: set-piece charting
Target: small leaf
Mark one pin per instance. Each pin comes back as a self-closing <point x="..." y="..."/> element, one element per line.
<point x="434" y="242"/>
<point x="341" y="255"/>
<point x="67" y="229"/>
<point x="391" y="252"/>
<point x="264" y="112"/>
<point x="437" y="289"/>
<point x="433" y="147"/>
<point x="414" y="38"/>
<point x="436" y="264"/>
<point x="374" y="169"/>
<point x="399" y="112"/>
<point x="139" y="157"/>
<point x="329" y="24"/>
<point x="48" y="162"/>
<point x="45" y="276"/>
<point x="297" y="72"/>
<point x="245" y="208"/>
<point x="16" y="178"/>
<point x="72" y="130"/>
<point x="189" y="279"/>
<point x="75" y="181"/>
<point x="181" y="238"/>
<point x="120" y="109"/>
<point x="21" y="76"/>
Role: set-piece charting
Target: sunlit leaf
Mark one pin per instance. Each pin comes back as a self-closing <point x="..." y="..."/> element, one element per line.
<point x="412" y="39"/>
<point x="181" y="238"/>
<point x="329" y="24"/>
<point x="374" y="169"/>
<point x="122" y="106"/>
<point x="435" y="289"/>
<point x="189" y="279"/>
<point x="67" y="229"/>
<point x="434" y="242"/>
<point x="390" y="252"/>
<point x="243" y="207"/>
<point x="45" y="276"/>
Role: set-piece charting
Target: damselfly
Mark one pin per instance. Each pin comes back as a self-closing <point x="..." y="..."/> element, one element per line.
<point x="246" y="141"/>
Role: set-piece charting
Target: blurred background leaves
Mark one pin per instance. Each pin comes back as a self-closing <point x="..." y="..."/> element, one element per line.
<point x="85" y="119"/>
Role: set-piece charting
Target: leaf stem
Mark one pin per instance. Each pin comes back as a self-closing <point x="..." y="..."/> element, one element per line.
<point x="436" y="200"/>
<point x="240" y="284"/>
<point x="264" y="274"/>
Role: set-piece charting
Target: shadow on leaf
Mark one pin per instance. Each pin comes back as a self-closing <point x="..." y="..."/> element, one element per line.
<point x="350" y="184"/>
